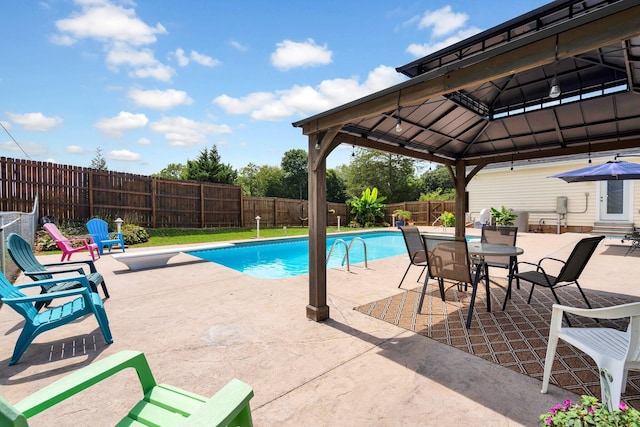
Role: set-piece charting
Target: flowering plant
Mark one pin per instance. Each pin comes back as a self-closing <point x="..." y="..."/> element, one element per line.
<point x="589" y="412"/>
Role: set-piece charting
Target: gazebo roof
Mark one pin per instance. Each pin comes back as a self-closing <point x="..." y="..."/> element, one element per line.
<point x="486" y="98"/>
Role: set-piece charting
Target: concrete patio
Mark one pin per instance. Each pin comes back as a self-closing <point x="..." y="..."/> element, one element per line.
<point x="201" y="324"/>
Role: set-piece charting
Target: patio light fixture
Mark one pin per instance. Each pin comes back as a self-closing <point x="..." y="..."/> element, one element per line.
<point x="555" y="87"/>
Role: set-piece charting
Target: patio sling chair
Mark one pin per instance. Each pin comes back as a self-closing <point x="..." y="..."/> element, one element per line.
<point x="161" y="404"/>
<point x="615" y="352"/>
<point x="87" y="303"/>
<point x="502" y="235"/>
<point x="22" y="254"/>
<point x="568" y="275"/>
<point x="449" y="260"/>
<point x="99" y="230"/>
<point x="66" y="245"/>
<point x="415" y="249"/>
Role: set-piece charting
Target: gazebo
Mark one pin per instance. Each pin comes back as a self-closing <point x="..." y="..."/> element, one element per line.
<point x="560" y="80"/>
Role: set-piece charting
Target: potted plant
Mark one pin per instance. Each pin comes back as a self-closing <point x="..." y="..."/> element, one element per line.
<point x="589" y="412"/>
<point x="504" y="217"/>
<point x="402" y="217"/>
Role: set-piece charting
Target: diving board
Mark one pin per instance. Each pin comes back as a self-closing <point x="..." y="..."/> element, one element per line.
<point x="139" y="260"/>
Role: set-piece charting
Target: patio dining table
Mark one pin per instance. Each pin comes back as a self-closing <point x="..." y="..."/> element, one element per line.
<point x="481" y="250"/>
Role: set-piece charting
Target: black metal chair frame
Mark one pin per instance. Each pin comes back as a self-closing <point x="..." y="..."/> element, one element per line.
<point x="415" y="249"/>
<point x="435" y="267"/>
<point x="571" y="270"/>
<point x="492" y="261"/>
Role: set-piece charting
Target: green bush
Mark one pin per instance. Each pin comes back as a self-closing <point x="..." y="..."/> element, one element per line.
<point x="448" y="219"/>
<point x="134" y="234"/>
<point x="44" y="242"/>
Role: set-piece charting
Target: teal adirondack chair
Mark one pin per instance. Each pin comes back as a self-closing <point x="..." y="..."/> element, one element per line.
<point x="161" y="404"/>
<point x="99" y="230"/>
<point x="87" y="303"/>
<point x="22" y="254"/>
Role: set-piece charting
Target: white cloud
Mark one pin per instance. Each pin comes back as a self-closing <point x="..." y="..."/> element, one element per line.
<point x="239" y="46"/>
<point x="62" y="40"/>
<point x="124" y="155"/>
<point x="290" y="54"/>
<point x="184" y="132"/>
<point x="183" y="60"/>
<point x="161" y="72"/>
<point x="144" y="141"/>
<point x="245" y="104"/>
<point x="31" y="148"/>
<point x="104" y="21"/>
<point x="305" y="100"/>
<point x="205" y="60"/>
<point x="114" y="127"/>
<point x="122" y="54"/>
<point x="74" y="149"/>
<point x="420" y="50"/>
<point x="197" y="57"/>
<point x="35" y="121"/>
<point x="160" y="99"/>
<point x="120" y="31"/>
<point x="442" y="21"/>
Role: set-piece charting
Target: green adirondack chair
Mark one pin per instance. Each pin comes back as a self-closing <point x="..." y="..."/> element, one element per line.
<point x="161" y="404"/>
<point x="22" y="254"/>
<point x="87" y="303"/>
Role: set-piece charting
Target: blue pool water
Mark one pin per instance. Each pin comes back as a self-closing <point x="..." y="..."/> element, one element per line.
<point x="275" y="259"/>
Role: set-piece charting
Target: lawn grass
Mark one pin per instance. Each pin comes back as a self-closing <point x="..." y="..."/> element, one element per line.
<point x="173" y="236"/>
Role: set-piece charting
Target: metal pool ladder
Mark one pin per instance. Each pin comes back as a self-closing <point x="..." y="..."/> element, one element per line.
<point x="347" y="248"/>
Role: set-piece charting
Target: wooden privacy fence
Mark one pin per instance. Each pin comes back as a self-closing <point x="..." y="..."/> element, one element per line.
<point x="422" y="213"/>
<point x="77" y="194"/>
<point x="276" y="212"/>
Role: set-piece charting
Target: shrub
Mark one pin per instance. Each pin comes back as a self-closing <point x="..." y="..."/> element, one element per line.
<point x="448" y="219"/>
<point x="133" y="234"/>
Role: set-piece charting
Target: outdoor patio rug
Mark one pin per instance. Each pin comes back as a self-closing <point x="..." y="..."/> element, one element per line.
<point x="515" y="338"/>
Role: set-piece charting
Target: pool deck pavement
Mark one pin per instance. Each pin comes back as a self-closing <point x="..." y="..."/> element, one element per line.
<point x="201" y="324"/>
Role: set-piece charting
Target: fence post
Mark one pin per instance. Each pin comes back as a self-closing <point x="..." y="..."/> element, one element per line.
<point x="90" y="193"/>
<point x="201" y="205"/>
<point x="154" y="191"/>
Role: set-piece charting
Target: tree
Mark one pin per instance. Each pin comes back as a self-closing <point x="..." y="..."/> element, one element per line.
<point x="248" y="180"/>
<point x="262" y="181"/>
<point x="295" y="167"/>
<point x="207" y="168"/>
<point x="172" y="171"/>
<point x="336" y="188"/>
<point x="98" y="162"/>
<point x="392" y="174"/>
<point x="438" y="178"/>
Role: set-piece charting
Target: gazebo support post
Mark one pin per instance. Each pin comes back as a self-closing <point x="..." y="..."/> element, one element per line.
<point x="460" y="182"/>
<point x="319" y="149"/>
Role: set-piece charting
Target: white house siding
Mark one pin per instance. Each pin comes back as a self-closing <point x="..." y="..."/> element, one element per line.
<point x="528" y="188"/>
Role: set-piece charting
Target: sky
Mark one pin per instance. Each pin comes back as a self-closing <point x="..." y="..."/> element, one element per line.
<point x="155" y="82"/>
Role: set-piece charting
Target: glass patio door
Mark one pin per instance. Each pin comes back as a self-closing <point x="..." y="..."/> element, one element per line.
<point x="615" y="200"/>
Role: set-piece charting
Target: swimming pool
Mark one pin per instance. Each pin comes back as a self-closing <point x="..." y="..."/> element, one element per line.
<point x="275" y="259"/>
